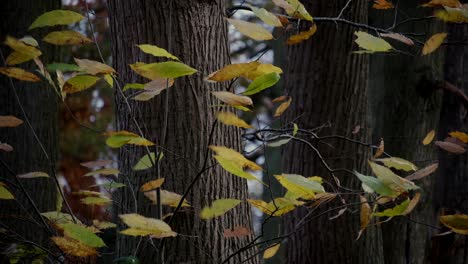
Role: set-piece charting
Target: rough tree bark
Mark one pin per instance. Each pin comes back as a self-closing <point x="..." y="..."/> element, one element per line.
<point x="197" y="34"/>
<point x="41" y="107"/>
<point x="403" y="110"/>
<point x="328" y="84"/>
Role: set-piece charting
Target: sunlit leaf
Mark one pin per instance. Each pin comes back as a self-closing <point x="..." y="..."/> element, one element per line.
<point x="261" y="83"/>
<point x="104" y="171"/>
<point x="251" y="30"/>
<point x="301" y="186"/>
<point x="79" y="83"/>
<point x="231" y="119"/>
<point x="144" y="226"/>
<point x="398" y="163"/>
<point x="167" y="69"/>
<point x="82" y="234"/>
<point x="120" y="138"/>
<point x="167" y="198"/>
<point x="429" y="137"/>
<point x="19" y="74"/>
<point x="395" y="211"/>
<point x="371" y="43"/>
<point x="303" y="35"/>
<point x="235" y="157"/>
<point x="10" y="121"/>
<point x="450" y="147"/>
<point x="250" y="70"/>
<point x="271" y="251"/>
<point x="372" y="184"/>
<point x="151" y="185"/>
<point x="460" y="135"/>
<point x="145" y="162"/>
<point x="67" y="37"/>
<point x="156" y="51"/>
<point x="74" y="247"/>
<point x="5" y="194"/>
<point x="218" y="208"/>
<point x="56" y="17"/>
<point x="267" y="17"/>
<point x="382" y="4"/>
<point x="433" y="43"/>
<point x="458" y="223"/>
<point x="23" y="52"/>
<point x="283" y="106"/>
<point x="233" y="99"/>
<point x="32" y="175"/>
<point x="390" y="179"/>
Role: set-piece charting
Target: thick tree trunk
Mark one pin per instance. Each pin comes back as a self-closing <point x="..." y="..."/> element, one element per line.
<point x="41" y="109"/>
<point x="196" y="32"/>
<point x="452" y="180"/>
<point x="403" y="111"/>
<point x="328" y="84"/>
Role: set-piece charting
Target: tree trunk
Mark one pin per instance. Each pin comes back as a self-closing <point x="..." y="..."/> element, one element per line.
<point x="195" y="32"/>
<point x="40" y="105"/>
<point x="452" y="179"/>
<point x="328" y="84"/>
<point x="404" y="110"/>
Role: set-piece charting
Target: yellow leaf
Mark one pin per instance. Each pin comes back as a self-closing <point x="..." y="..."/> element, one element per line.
<point x="93" y="67"/>
<point x="449" y="3"/>
<point x="10" y="121"/>
<point x="250" y="70"/>
<point x="143" y="226"/>
<point x="398" y="163"/>
<point x="271" y="251"/>
<point x="382" y="4"/>
<point x="235" y="169"/>
<point x="285" y="105"/>
<point x="167" y="198"/>
<point x="235" y="157"/>
<point x="147" y="161"/>
<point x="5" y="194"/>
<point x="267" y="17"/>
<point x="20" y="74"/>
<point x="365" y="215"/>
<point x="96" y="200"/>
<point x="261" y="70"/>
<point x="67" y="37"/>
<point x="74" y="247"/>
<point x="294" y="8"/>
<point x="233" y="99"/>
<point x="381" y="149"/>
<point x="458" y="223"/>
<point x="151" y="185"/>
<point x="251" y="30"/>
<point x="29" y="41"/>
<point x="303" y="35"/>
<point x="371" y="43"/>
<point x="454" y="15"/>
<point x="460" y="135"/>
<point x="17" y="58"/>
<point x="433" y="43"/>
<point x="390" y="179"/>
<point x="218" y="208"/>
<point x="156" y="51"/>
<point x="103" y="224"/>
<point x="56" y="17"/>
<point x="108" y="78"/>
<point x="119" y="138"/>
<point x="167" y="69"/>
<point x="283" y="206"/>
<point x="24" y="52"/>
<point x="303" y="187"/>
<point x="429" y="137"/>
<point x="32" y="175"/>
<point x="104" y="171"/>
<point x="79" y="83"/>
<point x="231" y="119"/>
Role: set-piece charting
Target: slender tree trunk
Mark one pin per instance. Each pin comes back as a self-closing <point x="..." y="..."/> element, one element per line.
<point x="452" y="179"/>
<point x="404" y="110"/>
<point x="40" y="105"/>
<point x="196" y="32"/>
<point x="328" y="84"/>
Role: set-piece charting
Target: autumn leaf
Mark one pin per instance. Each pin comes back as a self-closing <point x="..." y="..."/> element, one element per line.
<point x="63" y="67"/>
<point x="147" y="161"/>
<point x="79" y="83"/>
<point x="380" y="149"/>
<point x="234" y="156"/>
<point x="6" y="147"/>
<point x="429" y="137"/>
<point x="398" y="163"/>
<point x="103" y="224"/>
<point x="56" y="17"/>
<point x="67" y="37"/>
<point x="365" y="215"/>
<point x="412" y="204"/>
<point x="460" y="135"/>
<point x="423" y="172"/>
<point x="235" y="168"/>
<point x="283" y="206"/>
<point x="93" y="67"/>
<point x="96" y="200"/>
<point x="19" y="74"/>
<point x="153" y="88"/>
<point x="231" y="119"/>
<point x="218" y="208"/>
<point x="158" y="70"/>
<point x="390" y="179"/>
<point x="120" y="138"/>
<point x="233" y="99"/>
<point x="74" y="247"/>
<point x="32" y="175"/>
<point x="303" y="187"/>
<point x="151" y="185"/>
<point x="370" y="43"/>
<point x="458" y="223"/>
<point x="261" y="83"/>
<point x="238" y="231"/>
<point x="82" y="234"/>
<point x="10" y="121"/>
<point x="294" y="8"/>
<point x="251" y="30"/>
<point x="232" y="71"/>
<point x="104" y="171"/>
<point x="267" y="17"/>
<point x="58" y="217"/>
<point x="433" y="43"/>
<point x="271" y="251"/>
<point x="399" y="37"/>
<point x="5" y="194"/>
<point x="397" y="210"/>
<point x="156" y="51"/>
<point x="303" y="35"/>
<point x="96" y="163"/>
<point x="450" y="147"/>
<point x="372" y="184"/>
<point x="449" y="3"/>
<point x="382" y="4"/>
<point x="144" y="226"/>
<point x="453" y="15"/>
<point x="283" y="107"/>
<point x="22" y="52"/>
<point x="167" y="198"/>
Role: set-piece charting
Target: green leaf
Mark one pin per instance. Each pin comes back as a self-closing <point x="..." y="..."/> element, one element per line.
<point x="156" y="51"/>
<point x="5" y="194"/>
<point x="399" y="164"/>
<point x="82" y="234"/>
<point x="395" y="211"/>
<point x="63" y="67"/>
<point x="145" y="162"/>
<point x="218" y="208"/>
<point x="168" y="69"/>
<point x="374" y="184"/>
<point x="371" y="43"/>
<point x="119" y="138"/>
<point x="133" y="86"/>
<point x="58" y="217"/>
<point x="390" y="179"/>
<point x="261" y="83"/>
<point x="79" y="83"/>
<point x="56" y="17"/>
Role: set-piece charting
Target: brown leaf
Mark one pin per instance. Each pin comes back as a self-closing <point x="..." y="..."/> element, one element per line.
<point x="423" y="172"/>
<point x="399" y="37"/>
<point x="279" y="99"/>
<point x="356" y="129"/>
<point x="233" y="99"/>
<point x="151" y="185"/>
<point x="380" y="149"/>
<point x="303" y="35"/>
<point x="450" y="147"/>
<point x="283" y="107"/>
<point x="412" y="204"/>
<point x="238" y="231"/>
<point x="10" y="121"/>
<point x="382" y="4"/>
<point x="96" y="163"/>
<point x="74" y="247"/>
<point x="20" y="74"/>
<point x="366" y="215"/>
<point x="6" y="147"/>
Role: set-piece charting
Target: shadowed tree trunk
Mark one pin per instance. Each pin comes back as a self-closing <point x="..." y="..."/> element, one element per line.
<point x="40" y="105"/>
<point x="195" y="32"/>
<point x="328" y="84"/>
<point x="404" y="109"/>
